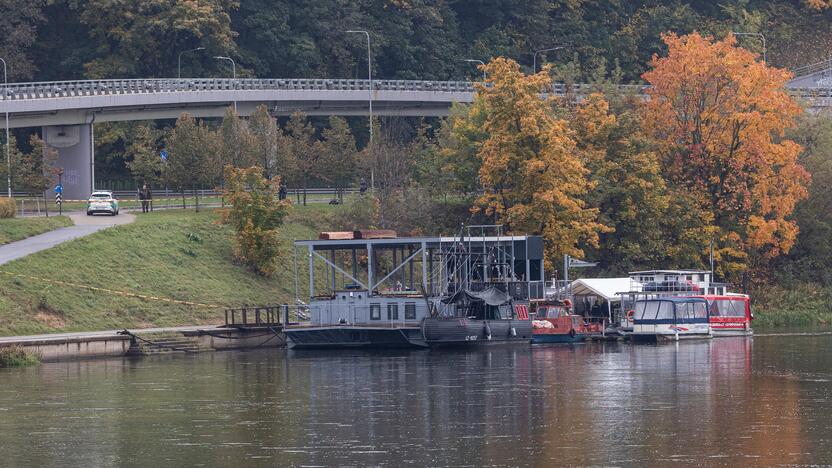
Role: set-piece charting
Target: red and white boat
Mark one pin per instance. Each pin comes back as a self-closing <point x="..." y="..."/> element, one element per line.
<point x="729" y="314"/>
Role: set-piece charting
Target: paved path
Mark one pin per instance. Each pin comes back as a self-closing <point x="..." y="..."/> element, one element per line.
<point x="84" y="226"/>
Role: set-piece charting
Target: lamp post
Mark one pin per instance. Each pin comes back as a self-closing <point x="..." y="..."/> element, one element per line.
<point x="481" y="63"/>
<point x="8" y="147"/>
<point x="179" y="61"/>
<point x="370" y="89"/>
<point x="534" y="57"/>
<point x="760" y="35"/>
<point x="233" y="73"/>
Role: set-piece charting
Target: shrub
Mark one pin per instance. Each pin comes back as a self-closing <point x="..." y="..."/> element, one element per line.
<point x="7" y="208"/>
<point x="17" y="356"/>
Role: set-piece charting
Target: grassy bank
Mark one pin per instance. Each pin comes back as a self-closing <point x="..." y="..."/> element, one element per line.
<point x="15" y="229"/>
<point x="16" y="356"/>
<point x="177" y="255"/>
<point x="800" y="305"/>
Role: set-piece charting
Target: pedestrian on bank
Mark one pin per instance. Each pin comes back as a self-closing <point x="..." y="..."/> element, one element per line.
<point x="362" y="186"/>
<point x="149" y="198"/>
<point x="140" y="196"/>
<point x="143" y="198"/>
<point x="281" y="192"/>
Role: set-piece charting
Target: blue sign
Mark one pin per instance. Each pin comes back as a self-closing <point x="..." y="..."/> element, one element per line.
<point x="59" y="188"/>
<point x="164" y="155"/>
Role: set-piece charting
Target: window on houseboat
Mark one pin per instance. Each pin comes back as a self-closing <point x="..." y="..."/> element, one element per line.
<point x="410" y="311"/>
<point x="665" y="311"/>
<point x="700" y="310"/>
<point x="728" y="308"/>
<point x="647" y="310"/>
<point x="375" y="311"/>
<point x="392" y="311"/>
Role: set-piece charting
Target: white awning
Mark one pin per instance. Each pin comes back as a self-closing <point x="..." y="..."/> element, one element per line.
<point x="605" y="288"/>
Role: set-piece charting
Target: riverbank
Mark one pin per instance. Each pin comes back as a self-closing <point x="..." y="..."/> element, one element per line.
<point x="800" y="305"/>
<point x="169" y="268"/>
<point x="15" y="229"/>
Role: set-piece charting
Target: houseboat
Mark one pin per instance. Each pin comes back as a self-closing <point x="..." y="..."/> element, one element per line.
<point x="670" y="319"/>
<point x="371" y="290"/>
<point x="729" y="314"/>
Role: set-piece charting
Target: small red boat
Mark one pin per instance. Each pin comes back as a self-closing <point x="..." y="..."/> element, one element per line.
<point x="730" y="314"/>
<point x="554" y="322"/>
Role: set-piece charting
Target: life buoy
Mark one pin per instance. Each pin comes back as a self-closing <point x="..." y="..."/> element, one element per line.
<point x="629" y="315"/>
<point x="567" y="303"/>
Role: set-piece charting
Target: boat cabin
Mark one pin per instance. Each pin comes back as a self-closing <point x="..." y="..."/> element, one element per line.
<point x="676" y="281"/>
<point x="729" y="314"/>
<point x="670" y="317"/>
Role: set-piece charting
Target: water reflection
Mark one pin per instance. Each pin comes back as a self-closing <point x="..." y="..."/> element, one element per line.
<point x="725" y="401"/>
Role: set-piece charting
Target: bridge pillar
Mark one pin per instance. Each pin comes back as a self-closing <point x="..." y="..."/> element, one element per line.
<point x="74" y="144"/>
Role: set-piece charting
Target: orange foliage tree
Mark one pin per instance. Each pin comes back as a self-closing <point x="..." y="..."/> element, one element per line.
<point x="532" y="177"/>
<point x="719" y="116"/>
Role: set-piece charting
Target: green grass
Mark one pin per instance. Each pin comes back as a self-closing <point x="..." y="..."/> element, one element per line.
<point x="15" y="229"/>
<point x="175" y="254"/>
<point x="17" y="356"/>
<point x="798" y="306"/>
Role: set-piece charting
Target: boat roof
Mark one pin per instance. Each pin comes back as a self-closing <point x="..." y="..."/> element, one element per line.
<point x="607" y="288"/>
<point x="674" y="299"/>
<point x="348" y="243"/>
<point x="670" y="272"/>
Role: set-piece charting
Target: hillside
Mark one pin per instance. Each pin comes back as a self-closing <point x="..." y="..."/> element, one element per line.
<point x="179" y="255"/>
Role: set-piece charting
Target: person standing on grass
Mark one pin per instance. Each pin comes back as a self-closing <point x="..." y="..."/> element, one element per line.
<point x="140" y="196"/>
<point x="143" y="198"/>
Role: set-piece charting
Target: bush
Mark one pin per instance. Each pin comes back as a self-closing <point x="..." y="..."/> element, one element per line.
<point x="7" y="208"/>
<point x="17" y="356"/>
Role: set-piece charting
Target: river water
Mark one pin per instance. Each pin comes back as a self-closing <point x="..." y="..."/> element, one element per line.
<point x="728" y="401"/>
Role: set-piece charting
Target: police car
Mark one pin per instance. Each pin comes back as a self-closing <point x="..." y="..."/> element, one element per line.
<point x="102" y="202"/>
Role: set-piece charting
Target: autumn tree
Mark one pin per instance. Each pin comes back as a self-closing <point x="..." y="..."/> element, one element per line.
<point x="719" y="116"/>
<point x="532" y="179"/>
<point x="33" y="172"/>
<point x="188" y="165"/>
<point x="255" y="214"/>
<point x="299" y="150"/>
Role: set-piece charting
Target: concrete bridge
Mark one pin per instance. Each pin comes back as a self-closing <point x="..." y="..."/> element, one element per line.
<point x="67" y="110"/>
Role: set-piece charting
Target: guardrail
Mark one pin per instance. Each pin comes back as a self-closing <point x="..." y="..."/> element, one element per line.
<point x="812" y="68"/>
<point x="65" y="89"/>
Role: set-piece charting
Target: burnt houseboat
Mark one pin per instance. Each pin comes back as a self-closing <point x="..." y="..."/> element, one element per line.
<point x="371" y="290"/>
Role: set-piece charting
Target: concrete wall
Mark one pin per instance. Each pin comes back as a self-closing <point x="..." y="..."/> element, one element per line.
<point x="75" y="158"/>
<point x="77" y="348"/>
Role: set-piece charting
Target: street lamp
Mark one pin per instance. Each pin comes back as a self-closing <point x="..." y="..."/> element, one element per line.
<point x="534" y="57"/>
<point x="370" y="89"/>
<point x="481" y="63"/>
<point x="233" y="73"/>
<point x="179" y="61"/>
<point x="8" y="150"/>
<point x="760" y="35"/>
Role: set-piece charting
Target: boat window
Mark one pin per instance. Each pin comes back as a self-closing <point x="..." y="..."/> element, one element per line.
<point x="650" y="308"/>
<point x="375" y="311"/>
<point x="728" y="308"/>
<point x="410" y="311"/>
<point x="700" y="310"/>
<point x="665" y="310"/>
<point x="392" y="311"/>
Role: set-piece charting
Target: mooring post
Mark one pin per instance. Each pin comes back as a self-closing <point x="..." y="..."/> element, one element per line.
<point x="285" y="314"/>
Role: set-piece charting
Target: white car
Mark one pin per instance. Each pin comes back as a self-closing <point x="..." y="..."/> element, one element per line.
<point x="102" y="202"/>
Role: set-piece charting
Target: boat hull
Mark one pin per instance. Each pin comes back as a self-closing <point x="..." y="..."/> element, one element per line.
<point x="456" y="331"/>
<point x="541" y="338"/>
<point x="663" y="337"/>
<point x="354" y="337"/>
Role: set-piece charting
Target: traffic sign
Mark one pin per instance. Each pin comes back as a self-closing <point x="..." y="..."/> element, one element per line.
<point x="575" y="263"/>
<point x="59" y="188"/>
<point x="164" y="155"/>
<point x="58" y="198"/>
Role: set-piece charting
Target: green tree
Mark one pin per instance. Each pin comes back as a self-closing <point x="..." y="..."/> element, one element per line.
<point x="338" y="157"/>
<point x="19" y="24"/>
<point x="299" y="151"/>
<point x="143" y="159"/>
<point x="144" y="37"/>
<point x="266" y="135"/>
<point x="255" y="215"/>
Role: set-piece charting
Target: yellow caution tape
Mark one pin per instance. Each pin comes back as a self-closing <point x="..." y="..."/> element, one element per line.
<point x="113" y="291"/>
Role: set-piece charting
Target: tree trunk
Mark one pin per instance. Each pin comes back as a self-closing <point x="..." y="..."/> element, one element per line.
<point x="305" y="182"/>
<point x="196" y="199"/>
<point x="183" y="198"/>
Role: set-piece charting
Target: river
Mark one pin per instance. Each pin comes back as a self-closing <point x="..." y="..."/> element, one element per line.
<point x="728" y="401"/>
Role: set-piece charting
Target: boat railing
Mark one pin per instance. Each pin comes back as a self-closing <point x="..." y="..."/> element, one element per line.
<point x="520" y="290"/>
